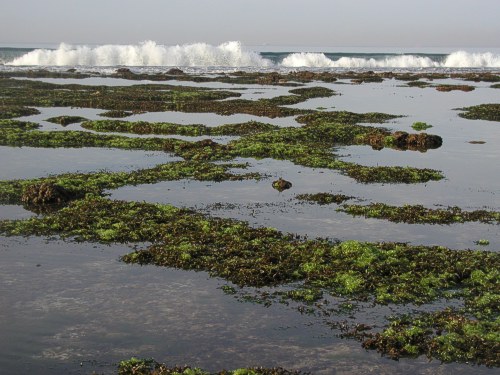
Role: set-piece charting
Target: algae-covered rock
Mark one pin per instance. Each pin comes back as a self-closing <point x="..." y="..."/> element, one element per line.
<point x="281" y="184"/>
<point x="47" y="193"/>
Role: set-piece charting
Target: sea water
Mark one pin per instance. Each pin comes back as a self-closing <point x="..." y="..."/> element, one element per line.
<point x="70" y="307"/>
<point x="233" y="54"/>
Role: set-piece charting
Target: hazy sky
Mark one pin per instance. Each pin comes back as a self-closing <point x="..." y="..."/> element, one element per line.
<point x="334" y="23"/>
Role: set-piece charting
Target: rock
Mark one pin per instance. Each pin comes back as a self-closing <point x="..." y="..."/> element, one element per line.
<point x="207" y="143"/>
<point x="175" y="72"/>
<point x="47" y="193"/>
<point x="281" y="184"/>
<point x="123" y="70"/>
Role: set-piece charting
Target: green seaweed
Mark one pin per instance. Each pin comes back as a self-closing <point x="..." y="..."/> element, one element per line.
<point x="489" y="112"/>
<point x="324" y="198"/>
<point x="15" y="125"/>
<point x="66" y="120"/>
<point x="142" y="127"/>
<point x="117" y="114"/>
<point x="263" y="256"/>
<point x="12" y="111"/>
<point x="151" y="97"/>
<point x="148" y="366"/>
<point x="448" y="88"/>
<point x="447" y="335"/>
<point x="419" y="126"/>
<point x="418" y="214"/>
<point x="309" y="146"/>
<point x="80" y="184"/>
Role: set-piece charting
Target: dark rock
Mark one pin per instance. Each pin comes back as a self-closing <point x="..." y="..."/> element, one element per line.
<point x="47" y="193"/>
<point x="175" y="72"/>
<point x="281" y="184"/>
<point x="123" y="70"/>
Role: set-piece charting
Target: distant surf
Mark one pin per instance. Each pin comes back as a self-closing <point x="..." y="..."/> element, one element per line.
<point x="234" y="55"/>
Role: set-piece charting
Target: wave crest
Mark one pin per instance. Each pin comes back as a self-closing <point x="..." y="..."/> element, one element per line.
<point x="233" y="55"/>
<point x="148" y="53"/>
<point x="459" y="59"/>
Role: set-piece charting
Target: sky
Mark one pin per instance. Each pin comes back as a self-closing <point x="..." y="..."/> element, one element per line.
<point x="332" y="23"/>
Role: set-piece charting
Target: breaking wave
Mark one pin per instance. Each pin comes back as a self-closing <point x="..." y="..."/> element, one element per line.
<point x="233" y="55"/>
<point x="460" y="59"/>
<point x="149" y="53"/>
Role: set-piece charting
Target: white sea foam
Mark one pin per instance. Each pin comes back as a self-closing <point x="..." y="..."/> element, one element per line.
<point x="230" y="54"/>
<point x="460" y="59"/>
<point x="233" y="55"/>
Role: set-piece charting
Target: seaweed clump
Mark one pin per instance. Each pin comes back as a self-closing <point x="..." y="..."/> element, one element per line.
<point x="489" y="112"/>
<point x="381" y="273"/>
<point x="324" y="198"/>
<point x="116" y="114"/>
<point x="448" y="88"/>
<point x="66" y="120"/>
<point x="148" y="366"/>
<point x="47" y="193"/>
<point x="402" y="140"/>
<point x="12" y="111"/>
<point x="418" y="214"/>
<point x="281" y="185"/>
<point x="419" y="126"/>
<point x="446" y="335"/>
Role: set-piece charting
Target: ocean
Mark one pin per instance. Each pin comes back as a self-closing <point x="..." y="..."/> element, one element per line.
<point x="233" y="55"/>
<point x="72" y="307"/>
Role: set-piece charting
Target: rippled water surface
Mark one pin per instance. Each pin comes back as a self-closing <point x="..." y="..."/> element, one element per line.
<point x="70" y="307"/>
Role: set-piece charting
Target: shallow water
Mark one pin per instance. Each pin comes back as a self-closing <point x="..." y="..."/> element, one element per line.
<point x="261" y="205"/>
<point x="31" y="162"/>
<point x="74" y="308"/>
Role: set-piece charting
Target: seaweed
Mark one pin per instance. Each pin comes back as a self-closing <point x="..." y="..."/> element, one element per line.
<point x="65" y="187"/>
<point x="12" y="111"/>
<point x="447" y="335"/>
<point x="324" y="198"/>
<point x="489" y="112"/>
<point x="148" y="366"/>
<point x="66" y="120"/>
<point x="448" y="88"/>
<point x="419" y="126"/>
<point x="418" y="214"/>
<point x="309" y="146"/>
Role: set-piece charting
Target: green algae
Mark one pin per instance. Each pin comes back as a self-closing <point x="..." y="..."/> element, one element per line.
<point x="66" y="120"/>
<point x="419" y="126"/>
<point x="12" y="111"/>
<point x="489" y="112"/>
<point x="345" y="117"/>
<point x="447" y="335"/>
<point x="418" y="214"/>
<point x="148" y="366"/>
<point x="116" y="114"/>
<point x="151" y="97"/>
<point x="258" y="257"/>
<point x="401" y="274"/>
<point x="448" y="88"/>
<point x="16" y="126"/>
<point x="80" y="184"/>
<point x="324" y="198"/>
<point x="482" y="242"/>
<point x="421" y="84"/>
<point x="142" y="127"/>
<point x="310" y="146"/>
<point x="134" y="98"/>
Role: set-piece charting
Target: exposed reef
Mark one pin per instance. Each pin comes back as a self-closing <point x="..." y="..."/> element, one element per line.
<point x="138" y="366"/>
<point x="418" y="214"/>
<point x="490" y="112"/>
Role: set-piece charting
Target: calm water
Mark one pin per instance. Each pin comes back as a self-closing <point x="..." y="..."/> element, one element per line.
<point x="74" y="308"/>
